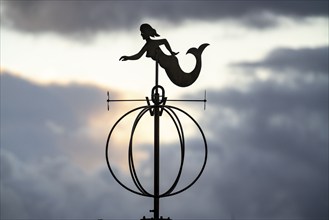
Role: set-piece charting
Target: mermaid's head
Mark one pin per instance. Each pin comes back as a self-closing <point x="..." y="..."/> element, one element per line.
<point x="148" y="31"/>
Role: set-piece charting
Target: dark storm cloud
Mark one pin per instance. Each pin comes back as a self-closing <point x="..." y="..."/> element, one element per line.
<point x="304" y="60"/>
<point x="88" y="17"/>
<point x="39" y="131"/>
<point x="36" y="114"/>
<point x="54" y="188"/>
<point x="273" y="138"/>
<point x="273" y="161"/>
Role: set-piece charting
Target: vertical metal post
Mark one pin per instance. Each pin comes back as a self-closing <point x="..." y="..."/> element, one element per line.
<point x="156" y="146"/>
<point x="156" y="72"/>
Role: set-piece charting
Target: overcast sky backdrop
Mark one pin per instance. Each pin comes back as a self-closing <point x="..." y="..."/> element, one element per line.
<point x="266" y="122"/>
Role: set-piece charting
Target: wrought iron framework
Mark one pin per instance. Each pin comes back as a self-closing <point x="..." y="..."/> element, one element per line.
<point x="156" y="106"/>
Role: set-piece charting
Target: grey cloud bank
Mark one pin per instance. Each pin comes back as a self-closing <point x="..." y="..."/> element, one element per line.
<point x="302" y="60"/>
<point x="82" y="18"/>
<point x="40" y="141"/>
<point x="37" y="114"/>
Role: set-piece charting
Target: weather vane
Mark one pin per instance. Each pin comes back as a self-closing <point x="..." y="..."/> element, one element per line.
<point x="156" y="106"/>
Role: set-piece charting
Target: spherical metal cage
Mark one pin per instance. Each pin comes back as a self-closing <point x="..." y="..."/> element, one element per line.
<point x="170" y="110"/>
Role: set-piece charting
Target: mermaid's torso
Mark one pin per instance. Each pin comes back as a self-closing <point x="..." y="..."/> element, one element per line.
<point x="150" y="49"/>
<point x="153" y="49"/>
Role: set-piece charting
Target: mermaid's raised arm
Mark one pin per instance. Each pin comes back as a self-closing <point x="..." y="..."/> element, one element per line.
<point x="136" y="56"/>
<point x="165" y="42"/>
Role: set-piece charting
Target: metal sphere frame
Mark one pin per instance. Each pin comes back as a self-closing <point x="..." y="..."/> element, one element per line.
<point x="179" y="128"/>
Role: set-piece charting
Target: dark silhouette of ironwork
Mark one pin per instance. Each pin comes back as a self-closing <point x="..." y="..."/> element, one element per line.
<point x="156" y="106"/>
<point x="169" y="63"/>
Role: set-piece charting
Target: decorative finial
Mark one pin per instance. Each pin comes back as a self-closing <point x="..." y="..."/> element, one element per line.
<point x="169" y="63"/>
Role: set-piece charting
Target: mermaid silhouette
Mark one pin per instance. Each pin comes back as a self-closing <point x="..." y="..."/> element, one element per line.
<point x="169" y="63"/>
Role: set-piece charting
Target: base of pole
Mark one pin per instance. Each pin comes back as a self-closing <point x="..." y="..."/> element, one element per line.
<point x="161" y="218"/>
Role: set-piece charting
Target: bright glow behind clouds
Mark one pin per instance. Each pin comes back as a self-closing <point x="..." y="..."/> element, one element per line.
<point x="50" y="58"/>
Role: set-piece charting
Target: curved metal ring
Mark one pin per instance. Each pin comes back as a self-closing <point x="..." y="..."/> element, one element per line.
<point x="179" y="129"/>
<point x="107" y="147"/>
<point x="130" y="155"/>
<point x="180" y="132"/>
<point x="205" y="155"/>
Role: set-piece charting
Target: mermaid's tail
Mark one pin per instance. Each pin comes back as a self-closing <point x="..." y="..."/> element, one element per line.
<point x="176" y="74"/>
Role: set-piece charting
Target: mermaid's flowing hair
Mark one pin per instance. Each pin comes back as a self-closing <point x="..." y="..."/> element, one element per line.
<point x="148" y="30"/>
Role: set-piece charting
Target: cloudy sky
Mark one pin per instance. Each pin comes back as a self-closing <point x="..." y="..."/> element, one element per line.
<point x="266" y="121"/>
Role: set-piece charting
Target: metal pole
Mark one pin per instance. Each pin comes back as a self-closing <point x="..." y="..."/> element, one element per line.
<point x="156" y="148"/>
<point x="156" y="162"/>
